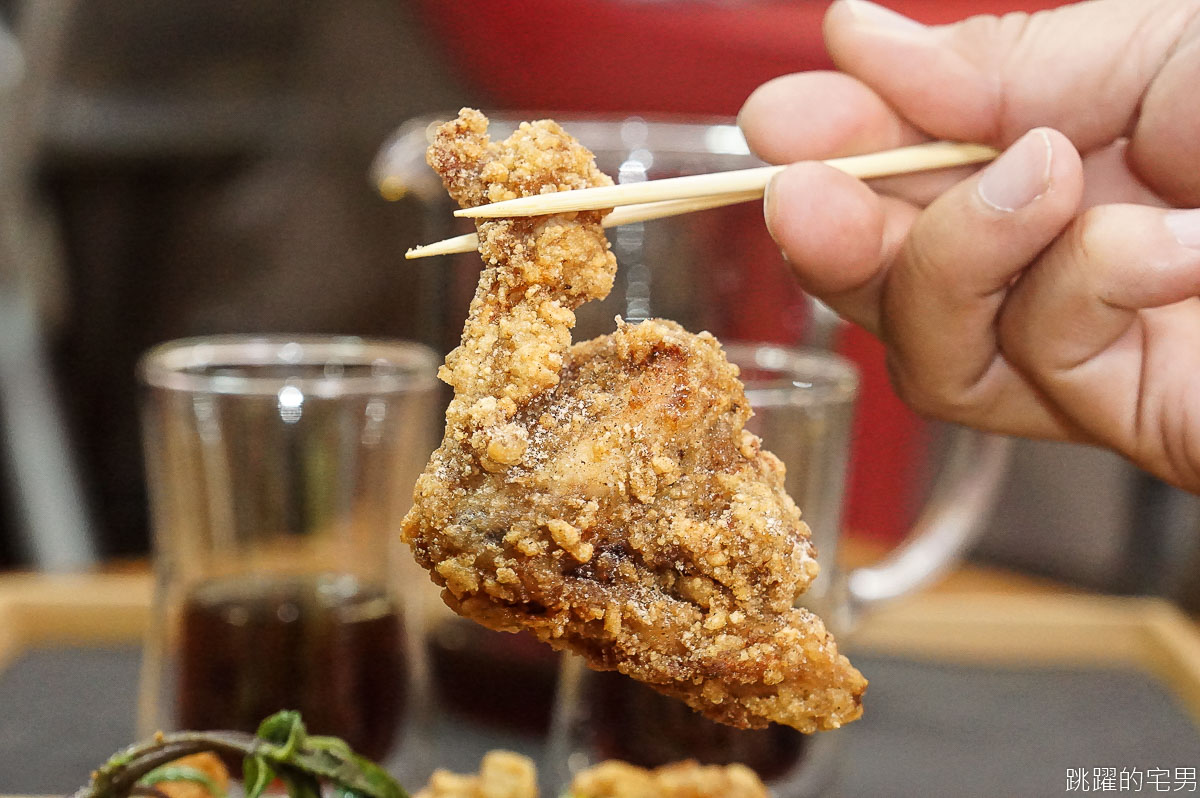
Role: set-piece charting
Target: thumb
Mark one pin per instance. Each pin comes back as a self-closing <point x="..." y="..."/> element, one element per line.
<point x="1082" y="69"/>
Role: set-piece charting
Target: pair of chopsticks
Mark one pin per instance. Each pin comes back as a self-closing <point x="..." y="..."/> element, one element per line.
<point x="656" y="199"/>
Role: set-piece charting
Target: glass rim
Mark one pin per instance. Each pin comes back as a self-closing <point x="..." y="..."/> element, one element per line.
<point x="165" y="365"/>
<point x="675" y="140"/>
<point x="805" y="376"/>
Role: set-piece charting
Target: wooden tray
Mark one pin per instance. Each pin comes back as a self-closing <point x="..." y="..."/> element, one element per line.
<point x="986" y="628"/>
<point x="1144" y="634"/>
<point x="71" y="611"/>
<point x="972" y="623"/>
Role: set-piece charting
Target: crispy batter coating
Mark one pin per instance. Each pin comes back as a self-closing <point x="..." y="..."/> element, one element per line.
<point x="502" y="774"/>
<point x="207" y="763"/>
<point x="615" y="779"/>
<point x="606" y="496"/>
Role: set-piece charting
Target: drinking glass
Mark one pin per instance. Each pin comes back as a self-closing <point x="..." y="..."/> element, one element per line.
<point x="279" y="469"/>
<point x="717" y="270"/>
<point x="803" y="403"/>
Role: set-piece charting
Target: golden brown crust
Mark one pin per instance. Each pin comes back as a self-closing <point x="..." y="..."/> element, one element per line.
<point x="615" y="779"/>
<point x="606" y="496"/>
<point x="207" y="763"/>
<point x="502" y="774"/>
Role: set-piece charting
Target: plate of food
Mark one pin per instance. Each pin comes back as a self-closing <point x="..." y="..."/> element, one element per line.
<point x="282" y="757"/>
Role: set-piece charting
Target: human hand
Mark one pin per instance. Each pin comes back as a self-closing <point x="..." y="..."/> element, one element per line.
<point x="1054" y="293"/>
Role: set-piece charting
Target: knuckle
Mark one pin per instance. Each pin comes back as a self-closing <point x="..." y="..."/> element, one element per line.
<point x="926" y="393"/>
<point x="1091" y="251"/>
<point x="1013" y="343"/>
<point x="1001" y="34"/>
<point x="1088" y="235"/>
<point x="921" y="262"/>
<point x="1001" y="45"/>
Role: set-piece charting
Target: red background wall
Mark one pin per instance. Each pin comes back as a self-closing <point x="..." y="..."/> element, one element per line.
<point x="698" y="58"/>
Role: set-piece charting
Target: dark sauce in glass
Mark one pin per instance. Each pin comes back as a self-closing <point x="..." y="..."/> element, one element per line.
<point x="630" y="721"/>
<point x="495" y="678"/>
<point x="325" y="645"/>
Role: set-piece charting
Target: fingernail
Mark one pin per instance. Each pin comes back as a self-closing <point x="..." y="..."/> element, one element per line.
<point x="1185" y="226"/>
<point x="875" y="16"/>
<point x="768" y="213"/>
<point x="1020" y="175"/>
<point x="769" y="203"/>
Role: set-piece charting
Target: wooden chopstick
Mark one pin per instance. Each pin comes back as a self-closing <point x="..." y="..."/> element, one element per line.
<point x="916" y="158"/>
<point x="626" y="214"/>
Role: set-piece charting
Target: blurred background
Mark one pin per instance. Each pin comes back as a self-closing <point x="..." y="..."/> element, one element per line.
<point x="188" y="168"/>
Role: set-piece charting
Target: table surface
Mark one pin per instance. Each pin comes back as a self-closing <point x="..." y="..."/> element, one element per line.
<point x="933" y="728"/>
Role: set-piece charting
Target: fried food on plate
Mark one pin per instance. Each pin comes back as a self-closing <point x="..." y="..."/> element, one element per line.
<point x="615" y="779"/>
<point x="208" y="764"/>
<point x="503" y="774"/>
<point x="605" y="495"/>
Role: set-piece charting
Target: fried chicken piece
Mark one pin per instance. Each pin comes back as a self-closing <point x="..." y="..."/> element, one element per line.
<point x="502" y="774"/>
<point x="605" y="496"/>
<point x="206" y="763"/>
<point x="690" y="779"/>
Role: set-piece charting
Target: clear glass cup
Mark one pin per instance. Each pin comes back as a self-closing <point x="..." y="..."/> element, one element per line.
<point x="279" y="469"/>
<point x="803" y="404"/>
<point x="702" y="270"/>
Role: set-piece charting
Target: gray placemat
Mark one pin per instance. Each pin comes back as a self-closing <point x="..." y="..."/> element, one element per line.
<point x="942" y="730"/>
<point x="62" y="712"/>
<point x="929" y="729"/>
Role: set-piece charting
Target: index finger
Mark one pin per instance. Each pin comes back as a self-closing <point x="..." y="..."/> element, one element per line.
<point x="815" y="115"/>
<point x="818" y="115"/>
